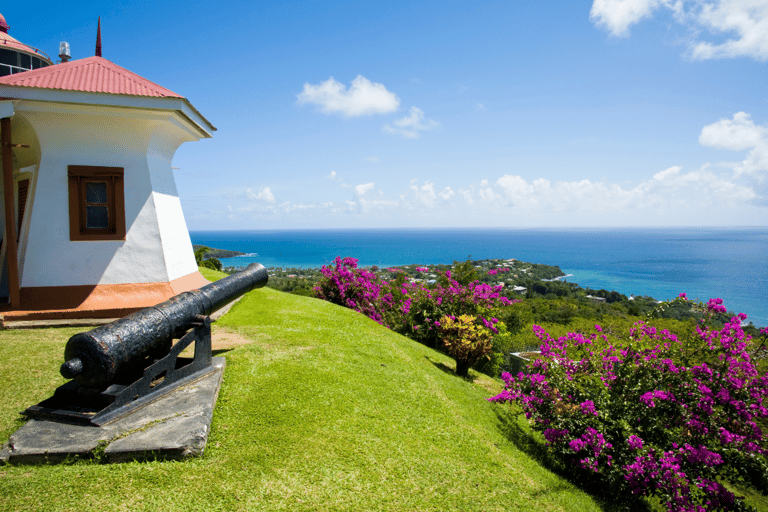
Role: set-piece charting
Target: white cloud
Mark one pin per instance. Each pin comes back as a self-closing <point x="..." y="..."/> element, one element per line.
<point x="410" y="126"/>
<point x="487" y="195"/>
<point x="667" y="173"/>
<point x="447" y="193"/>
<point x="425" y="194"/>
<point x="667" y="190"/>
<point x="618" y="15"/>
<point x="738" y="134"/>
<point x="363" y="188"/>
<point x="517" y="190"/>
<point x="747" y="20"/>
<point x="264" y="194"/>
<point x="363" y="97"/>
<point x="334" y="176"/>
<point x="373" y="159"/>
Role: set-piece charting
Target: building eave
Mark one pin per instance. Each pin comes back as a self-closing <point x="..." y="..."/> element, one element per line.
<point x="180" y="105"/>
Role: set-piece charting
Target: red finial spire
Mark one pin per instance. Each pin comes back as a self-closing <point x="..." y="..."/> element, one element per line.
<point x="98" y="39"/>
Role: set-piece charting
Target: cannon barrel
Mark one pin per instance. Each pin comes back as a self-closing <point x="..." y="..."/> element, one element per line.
<point x="95" y="358"/>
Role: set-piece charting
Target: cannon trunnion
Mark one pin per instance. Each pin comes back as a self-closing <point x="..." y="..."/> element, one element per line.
<point x="119" y="367"/>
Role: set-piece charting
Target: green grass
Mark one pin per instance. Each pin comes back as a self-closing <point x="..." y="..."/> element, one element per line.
<point x="211" y="274"/>
<point x="325" y="410"/>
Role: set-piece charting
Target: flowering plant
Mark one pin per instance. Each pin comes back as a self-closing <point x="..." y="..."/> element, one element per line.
<point x="648" y="416"/>
<point x="464" y="341"/>
<point x="419" y="307"/>
<point x="352" y="287"/>
<point x="413" y="308"/>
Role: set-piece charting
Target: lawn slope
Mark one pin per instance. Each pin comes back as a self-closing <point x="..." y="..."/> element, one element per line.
<point x="324" y="410"/>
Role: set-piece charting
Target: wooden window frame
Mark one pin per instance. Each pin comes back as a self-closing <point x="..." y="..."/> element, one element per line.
<point x="78" y="176"/>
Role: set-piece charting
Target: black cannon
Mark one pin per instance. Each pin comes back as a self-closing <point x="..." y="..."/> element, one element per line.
<point x="123" y="365"/>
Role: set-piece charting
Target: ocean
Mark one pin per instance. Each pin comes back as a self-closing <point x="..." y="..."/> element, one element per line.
<point x="703" y="262"/>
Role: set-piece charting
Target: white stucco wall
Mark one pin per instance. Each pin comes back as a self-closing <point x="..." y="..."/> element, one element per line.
<point x="174" y="235"/>
<point x="157" y="246"/>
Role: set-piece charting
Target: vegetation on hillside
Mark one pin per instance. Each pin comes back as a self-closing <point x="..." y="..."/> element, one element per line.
<point x="592" y="397"/>
<point x="550" y="298"/>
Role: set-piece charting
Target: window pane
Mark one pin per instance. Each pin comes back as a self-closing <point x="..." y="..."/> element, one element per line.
<point x="96" y="192"/>
<point x="97" y="217"/>
<point x="25" y="61"/>
<point x="8" y="57"/>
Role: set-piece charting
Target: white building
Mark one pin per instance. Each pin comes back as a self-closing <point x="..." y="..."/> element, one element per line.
<point x="88" y="194"/>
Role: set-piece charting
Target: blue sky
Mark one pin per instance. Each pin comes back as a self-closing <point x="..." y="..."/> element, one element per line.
<point x="450" y="114"/>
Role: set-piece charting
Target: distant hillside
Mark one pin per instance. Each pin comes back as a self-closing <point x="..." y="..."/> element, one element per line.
<point x="218" y="253"/>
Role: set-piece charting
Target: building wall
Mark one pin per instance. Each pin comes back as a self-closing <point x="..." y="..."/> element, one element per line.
<point x="157" y="246"/>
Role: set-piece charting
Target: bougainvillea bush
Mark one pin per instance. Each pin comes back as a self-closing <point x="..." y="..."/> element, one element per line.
<point x="653" y="415"/>
<point x="355" y="288"/>
<point x="419" y="307"/>
<point x="415" y="309"/>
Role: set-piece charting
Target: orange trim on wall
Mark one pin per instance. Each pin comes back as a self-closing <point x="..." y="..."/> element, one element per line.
<point x="98" y="301"/>
<point x="189" y="282"/>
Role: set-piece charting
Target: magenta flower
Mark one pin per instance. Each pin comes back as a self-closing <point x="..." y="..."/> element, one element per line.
<point x="588" y="407"/>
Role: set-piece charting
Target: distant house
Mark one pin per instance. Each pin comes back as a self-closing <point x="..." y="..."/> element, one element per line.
<point x="596" y="299"/>
<point x="92" y="221"/>
<point x="520" y="289"/>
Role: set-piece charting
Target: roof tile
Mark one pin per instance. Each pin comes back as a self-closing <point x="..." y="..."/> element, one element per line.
<point x="92" y="74"/>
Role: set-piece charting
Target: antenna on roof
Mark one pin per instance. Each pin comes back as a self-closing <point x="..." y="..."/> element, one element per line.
<point x="64" y="53"/>
<point x="98" y="39"/>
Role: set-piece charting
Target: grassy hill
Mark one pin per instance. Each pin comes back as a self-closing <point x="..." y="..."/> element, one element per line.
<point x="324" y="410"/>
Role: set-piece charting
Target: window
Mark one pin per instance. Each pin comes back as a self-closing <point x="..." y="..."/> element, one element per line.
<point x="22" y="192"/>
<point x="96" y="203"/>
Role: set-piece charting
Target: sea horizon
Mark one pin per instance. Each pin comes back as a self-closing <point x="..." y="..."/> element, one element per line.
<point x="704" y="262"/>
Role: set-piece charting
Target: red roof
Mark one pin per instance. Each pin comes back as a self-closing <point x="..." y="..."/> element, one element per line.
<point x="92" y="74"/>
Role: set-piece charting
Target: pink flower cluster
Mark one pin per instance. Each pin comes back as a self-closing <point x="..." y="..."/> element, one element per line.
<point x="355" y="288"/>
<point x="652" y="415"/>
<point x="412" y="308"/>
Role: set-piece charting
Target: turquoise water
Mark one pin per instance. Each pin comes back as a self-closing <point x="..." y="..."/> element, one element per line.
<point x="703" y="262"/>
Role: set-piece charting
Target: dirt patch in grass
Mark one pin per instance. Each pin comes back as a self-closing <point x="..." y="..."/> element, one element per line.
<point x="224" y="339"/>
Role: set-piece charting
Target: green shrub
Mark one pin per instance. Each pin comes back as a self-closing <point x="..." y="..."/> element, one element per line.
<point x="464" y="341"/>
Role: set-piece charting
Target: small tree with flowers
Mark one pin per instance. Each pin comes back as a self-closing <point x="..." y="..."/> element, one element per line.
<point x="465" y="341"/>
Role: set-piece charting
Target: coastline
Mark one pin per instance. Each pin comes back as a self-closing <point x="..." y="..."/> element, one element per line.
<point x="660" y="263"/>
